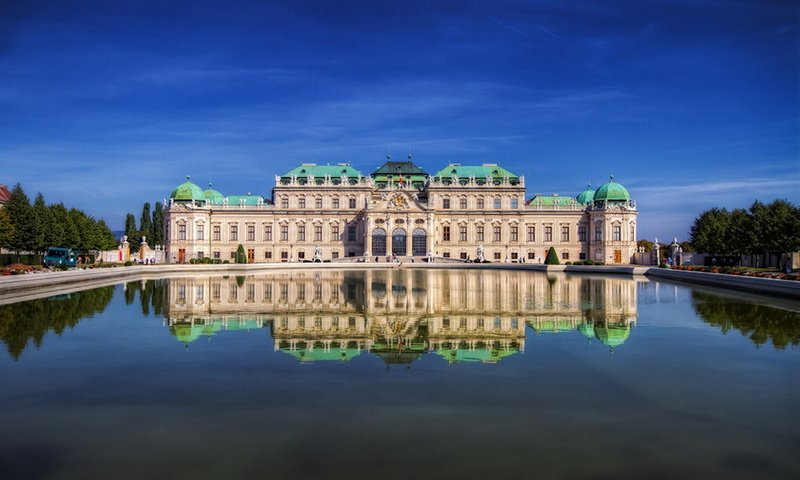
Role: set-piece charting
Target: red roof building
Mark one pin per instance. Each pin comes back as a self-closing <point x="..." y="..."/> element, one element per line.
<point x="5" y="194"/>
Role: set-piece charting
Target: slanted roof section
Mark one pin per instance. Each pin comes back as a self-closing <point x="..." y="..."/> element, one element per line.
<point x="306" y="170"/>
<point x="5" y="194"/>
<point x="488" y="173"/>
<point x="399" y="172"/>
<point x="551" y="201"/>
<point x="244" y="199"/>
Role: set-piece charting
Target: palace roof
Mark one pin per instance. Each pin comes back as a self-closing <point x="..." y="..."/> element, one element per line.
<point x="5" y="194"/>
<point x="306" y="170"/>
<point x="492" y="170"/>
<point x="550" y="201"/>
<point x="612" y="192"/>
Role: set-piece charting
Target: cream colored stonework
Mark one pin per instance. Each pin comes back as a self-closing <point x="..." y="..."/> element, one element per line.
<point x="452" y="220"/>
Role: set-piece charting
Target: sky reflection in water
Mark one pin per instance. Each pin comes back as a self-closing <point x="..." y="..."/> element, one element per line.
<point x="350" y="374"/>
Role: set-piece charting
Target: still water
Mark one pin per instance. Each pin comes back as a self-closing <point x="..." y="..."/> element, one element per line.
<point x="399" y="374"/>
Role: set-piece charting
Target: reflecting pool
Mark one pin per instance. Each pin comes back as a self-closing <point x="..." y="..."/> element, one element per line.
<point x="400" y="373"/>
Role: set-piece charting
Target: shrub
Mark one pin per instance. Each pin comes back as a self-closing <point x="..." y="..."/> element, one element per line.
<point x="568" y="263"/>
<point x="552" y="257"/>
<point x="128" y="263"/>
<point x="662" y="265"/>
<point x="225" y="261"/>
<point x="599" y="263"/>
<point x="240" y="256"/>
<point x="588" y="262"/>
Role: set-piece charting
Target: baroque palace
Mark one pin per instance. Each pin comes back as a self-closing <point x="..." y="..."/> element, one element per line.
<point x="331" y="212"/>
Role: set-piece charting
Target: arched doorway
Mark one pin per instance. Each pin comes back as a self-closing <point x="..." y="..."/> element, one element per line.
<point x="399" y="242"/>
<point x="418" y="242"/>
<point x="379" y="242"/>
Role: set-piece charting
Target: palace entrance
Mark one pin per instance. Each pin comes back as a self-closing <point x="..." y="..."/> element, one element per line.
<point x="181" y="255"/>
<point x="617" y="256"/>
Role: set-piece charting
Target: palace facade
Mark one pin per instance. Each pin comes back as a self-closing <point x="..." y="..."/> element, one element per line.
<point x="467" y="212"/>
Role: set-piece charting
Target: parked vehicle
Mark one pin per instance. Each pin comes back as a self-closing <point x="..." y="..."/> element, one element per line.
<point x="58" y="257"/>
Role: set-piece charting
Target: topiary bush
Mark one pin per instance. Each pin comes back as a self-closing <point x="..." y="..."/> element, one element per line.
<point x="240" y="256"/>
<point x="568" y="263"/>
<point x="552" y="257"/>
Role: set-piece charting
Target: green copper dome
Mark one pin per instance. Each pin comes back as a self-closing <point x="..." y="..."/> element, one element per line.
<point x="613" y="335"/>
<point x="213" y="197"/>
<point x="612" y="192"/>
<point x="187" y="192"/>
<point x="587" y="196"/>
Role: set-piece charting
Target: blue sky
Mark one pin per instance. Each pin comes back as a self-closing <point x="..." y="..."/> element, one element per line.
<point x="690" y="104"/>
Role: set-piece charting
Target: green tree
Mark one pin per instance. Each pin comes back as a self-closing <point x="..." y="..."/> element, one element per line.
<point x="55" y="233"/>
<point x="146" y="222"/>
<point x="20" y="213"/>
<point x="739" y="232"/>
<point x="41" y="222"/>
<point x="552" y="257"/>
<point x="240" y="255"/>
<point x="708" y="233"/>
<point x="134" y="235"/>
<point x="6" y="229"/>
<point x="784" y="227"/>
<point x="106" y="240"/>
<point x="647" y="244"/>
<point x="158" y="224"/>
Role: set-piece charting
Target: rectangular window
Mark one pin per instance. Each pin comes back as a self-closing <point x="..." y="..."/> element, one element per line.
<point x="497" y="255"/>
<point x="318" y="203"/>
<point x="616" y="233"/>
<point x="284" y="256"/>
<point x="462" y="233"/>
<point x="201" y="232"/>
<point x="301" y="233"/>
<point x="462" y="203"/>
<point x="301" y="255"/>
<point x="268" y="233"/>
<point x="335" y="202"/>
<point x="251" y="233"/>
<point x="217" y="232"/>
<point x="335" y="254"/>
<point x="598" y="232"/>
<point x="531" y="255"/>
<point x="497" y="233"/>
<point x="284" y="202"/>
<point x="335" y="232"/>
<point x="201" y="254"/>
<point x="301" y="202"/>
<point x="462" y="255"/>
<point x="446" y="203"/>
<point x="497" y="203"/>
<point x="181" y="232"/>
<point x="351" y="233"/>
<point x="582" y="233"/>
<point x="564" y="255"/>
<point x="565" y="234"/>
<point x="514" y="202"/>
<point x="234" y="233"/>
<point x="481" y="205"/>
<point x="284" y="233"/>
<point x="446" y="233"/>
<point x="446" y="254"/>
<point x="268" y="254"/>
<point x="317" y="233"/>
<point x="514" y="233"/>
<point x="548" y="234"/>
<point x="352" y="202"/>
<point x="531" y="233"/>
<point x="216" y="254"/>
<point x="479" y="233"/>
<point x="233" y="255"/>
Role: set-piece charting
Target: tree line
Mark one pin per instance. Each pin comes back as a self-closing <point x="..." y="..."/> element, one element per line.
<point x="763" y="229"/>
<point x="36" y="227"/>
<point x="150" y="226"/>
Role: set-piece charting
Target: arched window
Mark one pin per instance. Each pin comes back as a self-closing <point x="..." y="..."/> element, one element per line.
<point x="379" y="241"/>
<point x="418" y="242"/>
<point x="399" y="242"/>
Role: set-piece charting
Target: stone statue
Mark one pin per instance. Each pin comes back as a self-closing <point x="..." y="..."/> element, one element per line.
<point x="317" y="254"/>
<point x="480" y="257"/>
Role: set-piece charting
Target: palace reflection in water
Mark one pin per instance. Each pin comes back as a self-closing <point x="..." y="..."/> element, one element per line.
<point x="398" y="315"/>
